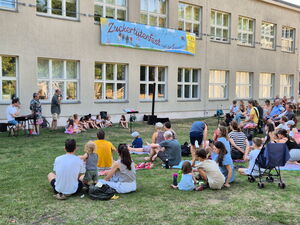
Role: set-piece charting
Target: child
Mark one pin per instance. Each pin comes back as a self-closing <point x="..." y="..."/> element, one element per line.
<point x="107" y="122"/>
<point x="123" y="122"/>
<point x="138" y="141"/>
<point x="71" y="128"/>
<point x="283" y="124"/>
<point x="99" y="121"/>
<point x="209" y="171"/>
<point x="91" y="159"/>
<point x="187" y="182"/>
<point x="257" y="143"/>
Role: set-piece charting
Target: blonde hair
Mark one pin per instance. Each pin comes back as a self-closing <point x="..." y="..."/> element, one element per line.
<point x="90" y="147"/>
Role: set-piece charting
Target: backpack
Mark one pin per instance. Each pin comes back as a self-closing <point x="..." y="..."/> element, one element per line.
<point x="185" y="149"/>
<point x="101" y="193"/>
<point x="45" y="123"/>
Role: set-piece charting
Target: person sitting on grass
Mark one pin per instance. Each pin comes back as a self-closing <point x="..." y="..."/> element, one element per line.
<point x="77" y="123"/>
<point x="167" y="126"/>
<point x="99" y="121"/>
<point x="68" y="172"/>
<point x="187" y="182"/>
<point x="209" y="171"/>
<point x="71" y="128"/>
<point x="257" y="143"/>
<point x="123" y="122"/>
<point x="104" y="151"/>
<point x="283" y="124"/>
<point x="107" y="122"/>
<point x="91" y="160"/>
<point x="137" y="144"/>
<point x="122" y="176"/>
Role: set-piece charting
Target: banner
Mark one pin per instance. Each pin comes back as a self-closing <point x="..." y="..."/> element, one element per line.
<point x="133" y="35"/>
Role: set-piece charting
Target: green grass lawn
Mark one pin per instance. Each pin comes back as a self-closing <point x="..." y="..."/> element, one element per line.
<point x="27" y="198"/>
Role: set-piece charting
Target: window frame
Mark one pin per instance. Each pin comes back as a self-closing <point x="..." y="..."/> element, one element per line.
<point x="264" y="36"/>
<point x="115" y="81"/>
<point x="242" y="32"/>
<point x="14" y="9"/>
<point x="222" y="27"/>
<point x="272" y="86"/>
<point x="50" y="80"/>
<point x="289" y="86"/>
<point x="63" y="16"/>
<point x="16" y="78"/>
<point x="158" y="15"/>
<point x="147" y="83"/>
<point x="250" y="84"/>
<point x="226" y="84"/>
<point x="288" y="39"/>
<point x="115" y="7"/>
<point x="183" y="83"/>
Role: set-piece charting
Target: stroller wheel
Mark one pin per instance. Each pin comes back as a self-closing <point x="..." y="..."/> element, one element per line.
<point x="260" y="185"/>
<point x="281" y="185"/>
<point x="270" y="179"/>
<point x="251" y="179"/>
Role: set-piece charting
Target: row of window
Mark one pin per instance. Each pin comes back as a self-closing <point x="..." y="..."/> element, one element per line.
<point x="154" y="13"/>
<point x="111" y="81"/>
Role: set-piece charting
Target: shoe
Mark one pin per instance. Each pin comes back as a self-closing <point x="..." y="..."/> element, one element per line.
<point x="60" y="196"/>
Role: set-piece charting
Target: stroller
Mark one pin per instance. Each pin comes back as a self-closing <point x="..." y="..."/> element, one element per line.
<point x="270" y="158"/>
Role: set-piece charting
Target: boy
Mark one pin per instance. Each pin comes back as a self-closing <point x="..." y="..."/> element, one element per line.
<point x="69" y="170"/>
<point x="283" y="124"/>
<point x="257" y="143"/>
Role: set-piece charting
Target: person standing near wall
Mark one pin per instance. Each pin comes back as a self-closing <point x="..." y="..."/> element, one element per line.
<point x="55" y="108"/>
<point x="36" y="110"/>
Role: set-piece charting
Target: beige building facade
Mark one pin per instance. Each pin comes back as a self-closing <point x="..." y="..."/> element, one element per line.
<point x="244" y="49"/>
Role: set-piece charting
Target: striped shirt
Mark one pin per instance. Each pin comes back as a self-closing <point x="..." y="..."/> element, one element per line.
<point x="239" y="139"/>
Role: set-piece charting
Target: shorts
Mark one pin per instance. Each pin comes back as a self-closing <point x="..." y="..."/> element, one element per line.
<point x="12" y="122"/>
<point x="80" y="186"/>
<point x="91" y="176"/>
<point x="146" y="148"/>
<point x="55" y="116"/>
<point x="196" y="136"/>
<point x="162" y="155"/>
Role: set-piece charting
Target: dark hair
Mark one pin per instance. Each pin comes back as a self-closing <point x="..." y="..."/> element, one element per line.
<point x="75" y="116"/>
<point x="284" y="119"/>
<point x="15" y="100"/>
<point x="267" y="101"/>
<point x="70" y="122"/>
<point x="270" y="127"/>
<point x="201" y="153"/>
<point x="219" y="145"/>
<point x="223" y="132"/>
<point x="167" y="125"/>
<point x="123" y="117"/>
<point x="125" y="155"/>
<point x="186" y="167"/>
<point x="251" y="102"/>
<point x="35" y="95"/>
<point x="235" y="126"/>
<point x="223" y="123"/>
<point x="282" y="132"/>
<point x="234" y="102"/>
<point x="70" y="145"/>
<point x="101" y="134"/>
<point x="57" y="90"/>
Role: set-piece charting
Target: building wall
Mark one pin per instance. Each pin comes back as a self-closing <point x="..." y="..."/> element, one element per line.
<point x="29" y="36"/>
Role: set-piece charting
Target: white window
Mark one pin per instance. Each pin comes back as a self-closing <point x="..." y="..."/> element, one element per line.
<point x="58" y="74"/>
<point x="150" y="75"/>
<point x="8" y="78"/>
<point x="266" y="82"/>
<point x="154" y="12"/>
<point x="218" y="84"/>
<point x="219" y="26"/>
<point x="110" y="82"/>
<point x="8" y="4"/>
<point x="188" y="83"/>
<point x="268" y="31"/>
<point x="58" y="8"/>
<point x="189" y="18"/>
<point x="243" y="88"/>
<point x="114" y="9"/>
<point x="246" y="31"/>
<point x="288" y="39"/>
<point x="286" y="85"/>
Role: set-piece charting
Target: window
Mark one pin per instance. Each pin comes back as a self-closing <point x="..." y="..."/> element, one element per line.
<point x="218" y="84"/>
<point x="154" y="12"/>
<point x="8" y="4"/>
<point x="58" y="8"/>
<point x="243" y="88"/>
<point x="219" y="26"/>
<point x="266" y="85"/>
<point x="286" y="85"/>
<point x="267" y="35"/>
<point x="114" y="9"/>
<point x="288" y="39"/>
<point x="189" y="18"/>
<point x="246" y="31"/>
<point x="58" y="74"/>
<point x="110" y="81"/>
<point x="150" y="75"/>
<point x="8" y="77"/>
<point x="188" y="83"/>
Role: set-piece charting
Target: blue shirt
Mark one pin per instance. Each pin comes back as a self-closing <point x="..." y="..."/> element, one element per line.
<point x="186" y="183"/>
<point x="198" y="127"/>
<point x="137" y="143"/>
<point x="252" y="157"/>
<point x="226" y="161"/>
<point x="276" y="110"/>
<point x="226" y="143"/>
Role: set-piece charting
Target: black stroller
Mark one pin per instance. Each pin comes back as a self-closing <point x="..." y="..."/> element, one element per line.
<point x="270" y="158"/>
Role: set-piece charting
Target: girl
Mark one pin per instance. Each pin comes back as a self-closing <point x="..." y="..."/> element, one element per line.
<point x="77" y="123"/>
<point x="71" y="128"/>
<point x="91" y="159"/>
<point x="123" y="122"/>
<point x="187" y="182"/>
<point x="224" y="160"/>
<point x="99" y="121"/>
<point x="209" y="171"/>
<point x="270" y="130"/>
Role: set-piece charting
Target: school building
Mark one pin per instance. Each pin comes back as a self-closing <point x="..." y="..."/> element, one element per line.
<point x="244" y="49"/>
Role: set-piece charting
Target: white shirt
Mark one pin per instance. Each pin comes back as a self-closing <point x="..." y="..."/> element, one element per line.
<point x="67" y="168"/>
<point x="10" y="110"/>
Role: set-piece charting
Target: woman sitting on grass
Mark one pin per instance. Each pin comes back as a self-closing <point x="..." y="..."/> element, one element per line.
<point x="123" y="122"/>
<point x="122" y="175"/>
<point x="238" y="140"/>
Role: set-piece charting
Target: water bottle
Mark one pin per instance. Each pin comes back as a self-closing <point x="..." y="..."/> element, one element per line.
<point x="167" y="164"/>
<point x="175" y="176"/>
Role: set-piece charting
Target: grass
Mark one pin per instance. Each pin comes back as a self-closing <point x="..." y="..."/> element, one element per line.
<point x="26" y="197"/>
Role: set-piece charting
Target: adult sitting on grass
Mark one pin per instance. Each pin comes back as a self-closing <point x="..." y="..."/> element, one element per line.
<point x="171" y="151"/>
<point x="104" y="151"/>
<point x="122" y="176"/>
<point x="238" y="140"/>
<point x="69" y="171"/>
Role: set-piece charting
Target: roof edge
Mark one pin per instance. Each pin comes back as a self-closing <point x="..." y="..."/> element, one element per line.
<point x="283" y="4"/>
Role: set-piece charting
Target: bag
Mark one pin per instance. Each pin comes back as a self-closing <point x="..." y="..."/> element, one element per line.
<point x="185" y="149"/>
<point x="45" y="123"/>
<point x="101" y="193"/>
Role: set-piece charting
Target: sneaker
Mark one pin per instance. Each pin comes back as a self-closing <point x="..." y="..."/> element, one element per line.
<point x="60" y="196"/>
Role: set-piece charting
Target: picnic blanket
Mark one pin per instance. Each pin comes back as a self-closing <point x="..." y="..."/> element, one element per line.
<point x="140" y="153"/>
<point x="290" y="167"/>
<point x="181" y="163"/>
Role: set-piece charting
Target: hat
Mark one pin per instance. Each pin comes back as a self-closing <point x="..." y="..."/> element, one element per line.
<point x="290" y="122"/>
<point x="135" y="134"/>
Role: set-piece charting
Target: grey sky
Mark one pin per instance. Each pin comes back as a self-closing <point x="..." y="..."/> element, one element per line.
<point x="297" y="2"/>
